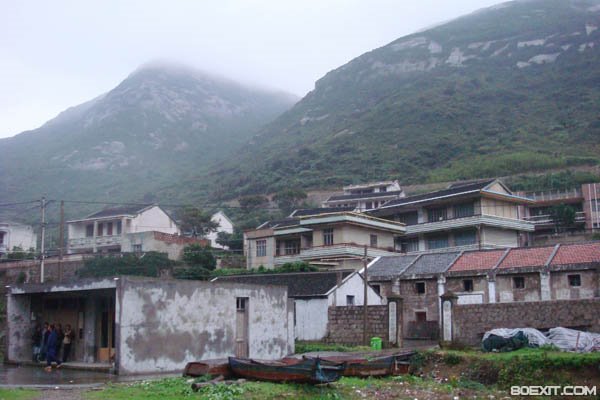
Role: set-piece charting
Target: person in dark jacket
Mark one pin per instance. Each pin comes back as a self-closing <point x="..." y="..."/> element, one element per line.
<point x="46" y="333"/>
<point x="61" y="336"/>
<point x="52" y="344"/>
<point x="36" y="342"/>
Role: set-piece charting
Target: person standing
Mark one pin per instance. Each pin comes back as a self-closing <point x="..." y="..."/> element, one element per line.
<point x="36" y="342"/>
<point x="45" y="335"/>
<point x="68" y="339"/>
<point x="60" y="336"/>
<point x="52" y="347"/>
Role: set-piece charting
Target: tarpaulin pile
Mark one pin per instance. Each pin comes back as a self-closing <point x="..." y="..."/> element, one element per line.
<point x="503" y="339"/>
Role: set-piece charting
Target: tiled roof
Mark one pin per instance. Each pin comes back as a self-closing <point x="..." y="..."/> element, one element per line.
<point x="477" y="260"/>
<point x="577" y="254"/>
<point x="301" y="284"/>
<point x="364" y="195"/>
<point x="280" y="223"/>
<point x="435" y="263"/>
<point x="117" y="211"/>
<point x="390" y="266"/>
<point x="306" y="212"/>
<point x="452" y="191"/>
<point x="527" y="257"/>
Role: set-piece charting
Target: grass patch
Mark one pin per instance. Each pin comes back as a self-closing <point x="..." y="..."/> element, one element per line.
<point x="306" y="347"/>
<point x="169" y="388"/>
<point x="17" y="394"/>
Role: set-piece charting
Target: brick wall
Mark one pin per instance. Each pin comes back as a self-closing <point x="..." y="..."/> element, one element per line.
<point x="470" y="322"/>
<point x="346" y="324"/>
<point x="11" y="273"/>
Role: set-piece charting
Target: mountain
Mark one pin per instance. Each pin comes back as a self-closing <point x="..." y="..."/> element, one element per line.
<point x="161" y="124"/>
<point x="507" y="89"/>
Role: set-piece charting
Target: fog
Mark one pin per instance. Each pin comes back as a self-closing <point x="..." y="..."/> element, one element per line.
<point x="57" y="54"/>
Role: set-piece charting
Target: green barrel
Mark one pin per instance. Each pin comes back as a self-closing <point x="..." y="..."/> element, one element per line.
<point x="376" y="343"/>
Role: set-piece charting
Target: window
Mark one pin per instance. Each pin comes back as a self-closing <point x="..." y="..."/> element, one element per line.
<point x="292" y="247"/>
<point x="109" y="229"/>
<point x="420" y="287"/>
<point x="575" y="280"/>
<point x="119" y="227"/>
<point x="373" y="240"/>
<point x="328" y="237"/>
<point x="437" y="242"/>
<point x="409" y="245"/>
<point x="519" y="282"/>
<point x="437" y="214"/>
<point x="137" y="248"/>
<point x="468" y="285"/>
<point x="89" y="230"/>
<point x="349" y="300"/>
<point x="464" y="210"/>
<point x="241" y="303"/>
<point x="261" y="248"/>
<point x="100" y="229"/>
<point x="465" y="238"/>
<point x="421" y="316"/>
<point x="383" y="189"/>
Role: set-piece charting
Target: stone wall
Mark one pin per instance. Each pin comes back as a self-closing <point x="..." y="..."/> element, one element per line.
<point x="346" y="324"/>
<point x="28" y="271"/>
<point x="470" y="322"/>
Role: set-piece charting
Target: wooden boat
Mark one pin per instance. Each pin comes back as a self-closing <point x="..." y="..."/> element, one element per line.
<point x="208" y="367"/>
<point x="361" y="366"/>
<point x="309" y="370"/>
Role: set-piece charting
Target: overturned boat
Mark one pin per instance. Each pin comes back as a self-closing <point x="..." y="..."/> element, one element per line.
<point x="357" y="366"/>
<point x="307" y="370"/>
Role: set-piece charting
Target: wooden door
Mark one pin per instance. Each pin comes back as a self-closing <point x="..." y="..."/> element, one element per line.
<point x="241" y="327"/>
<point x="106" y="337"/>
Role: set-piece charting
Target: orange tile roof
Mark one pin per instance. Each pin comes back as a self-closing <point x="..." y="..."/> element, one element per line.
<point x="527" y="257"/>
<point x="577" y="254"/>
<point x="477" y="260"/>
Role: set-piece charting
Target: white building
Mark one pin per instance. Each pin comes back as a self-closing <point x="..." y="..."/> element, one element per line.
<point x="14" y="234"/>
<point x="225" y="225"/>
<point x="105" y="231"/>
<point x="313" y="293"/>
<point x="366" y="196"/>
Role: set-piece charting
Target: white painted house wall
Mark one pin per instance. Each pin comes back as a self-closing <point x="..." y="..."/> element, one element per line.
<point x="225" y="225"/>
<point x="311" y="318"/>
<point x="353" y="285"/>
<point x="17" y="235"/>
<point x="153" y="219"/>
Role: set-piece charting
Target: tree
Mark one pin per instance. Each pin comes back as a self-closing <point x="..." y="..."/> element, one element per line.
<point x="289" y="199"/>
<point x="196" y="222"/>
<point x="563" y="216"/>
<point x="233" y="241"/>
<point x="200" y="256"/>
<point x="148" y="264"/>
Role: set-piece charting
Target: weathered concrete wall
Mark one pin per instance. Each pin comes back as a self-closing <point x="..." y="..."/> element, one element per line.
<point x="470" y="322"/>
<point x="18" y="338"/>
<point x="54" y="271"/>
<point x="499" y="237"/>
<point x="417" y="303"/>
<point x="346" y="324"/>
<point x="311" y="319"/>
<point x="507" y="292"/>
<point x="162" y="325"/>
<point x="455" y="285"/>
<point x="562" y="290"/>
<point x="353" y="285"/>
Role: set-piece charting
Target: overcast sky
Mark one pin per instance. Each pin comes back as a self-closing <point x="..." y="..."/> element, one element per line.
<point x="57" y="54"/>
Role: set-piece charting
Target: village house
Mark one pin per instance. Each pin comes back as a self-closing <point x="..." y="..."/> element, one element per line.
<point x="313" y="293"/>
<point x="475" y="215"/>
<point x="105" y="231"/>
<point x="15" y="235"/>
<point x="527" y="274"/>
<point x="135" y="325"/>
<point x="326" y="239"/>
<point x="366" y="196"/>
<point x="225" y="225"/>
<point x="584" y="201"/>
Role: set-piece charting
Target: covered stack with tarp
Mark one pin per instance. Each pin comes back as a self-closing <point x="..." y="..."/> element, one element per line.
<point x="572" y="340"/>
<point x="503" y="339"/>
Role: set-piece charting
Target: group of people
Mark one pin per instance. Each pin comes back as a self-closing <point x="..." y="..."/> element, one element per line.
<point x="49" y="341"/>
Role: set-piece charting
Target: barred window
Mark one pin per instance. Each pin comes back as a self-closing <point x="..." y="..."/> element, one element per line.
<point x="328" y="237"/>
<point x="261" y="248"/>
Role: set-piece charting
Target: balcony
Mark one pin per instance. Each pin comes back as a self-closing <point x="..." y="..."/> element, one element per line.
<point x="547" y="219"/>
<point x="553" y="195"/>
<point x="336" y="250"/>
<point x="472" y="221"/>
<point x="91" y="242"/>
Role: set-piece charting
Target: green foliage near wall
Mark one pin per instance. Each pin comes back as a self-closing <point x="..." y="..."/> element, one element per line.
<point x="199" y="256"/>
<point x="562" y="180"/>
<point x="148" y="264"/>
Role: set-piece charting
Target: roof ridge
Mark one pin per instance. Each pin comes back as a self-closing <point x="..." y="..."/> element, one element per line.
<point x="501" y="260"/>
<point x="551" y="257"/>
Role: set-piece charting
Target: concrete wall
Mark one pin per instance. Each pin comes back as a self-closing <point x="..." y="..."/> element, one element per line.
<point x="561" y="290"/>
<point x="153" y="219"/>
<point x="252" y="261"/>
<point x="18" y="332"/>
<point x="311" y="319"/>
<point x="353" y="285"/>
<point x="480" y="287"/>
<point x="165" y="324"/>
<point x="507" y="293"/>
<point x="470" y="322"/>
<point x="414" y="302"/>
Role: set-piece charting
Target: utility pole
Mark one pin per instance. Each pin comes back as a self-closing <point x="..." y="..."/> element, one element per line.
<point x="43" y="206"/>
<point x="365" y="302"/>
<point x="61" y="239"/>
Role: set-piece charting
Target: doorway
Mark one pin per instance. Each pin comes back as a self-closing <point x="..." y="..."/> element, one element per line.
<point x="106" y="325"/>
<point x="241" y="327"/>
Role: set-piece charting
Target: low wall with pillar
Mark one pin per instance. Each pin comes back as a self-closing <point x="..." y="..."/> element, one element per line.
<point x="345" y="324"/>
<point x="466" y="324"/>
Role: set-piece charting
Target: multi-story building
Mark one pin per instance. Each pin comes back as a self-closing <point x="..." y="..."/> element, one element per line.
<point x="15" y="235"/>
<point x="328" y="239"/>
<point x="473" y="215"/>
<point x="585" y="203"/>
<point x="366" y="196"/>
<point x="105" y="231"/>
